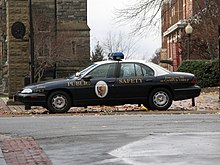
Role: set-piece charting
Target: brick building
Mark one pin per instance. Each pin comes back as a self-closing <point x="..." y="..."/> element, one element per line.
<point x="175" y="14"/>
<point x="63" y="22"/>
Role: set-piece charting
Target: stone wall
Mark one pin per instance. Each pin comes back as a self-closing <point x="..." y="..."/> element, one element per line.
<point x="72" y="10"/>
<point x="69" y="18"/>
<point x="18" y="49"/>
<point x="77" y="46"/>
<point x="3" y="48"/>
<point x="72" y="19"/>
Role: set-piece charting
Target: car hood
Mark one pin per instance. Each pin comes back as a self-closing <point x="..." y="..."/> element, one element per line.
<point x="48" y="83"/>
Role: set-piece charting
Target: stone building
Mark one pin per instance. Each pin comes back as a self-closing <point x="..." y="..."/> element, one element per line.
<point x="61" y="39"/>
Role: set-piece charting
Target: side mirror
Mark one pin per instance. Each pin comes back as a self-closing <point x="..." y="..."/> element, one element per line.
<point x="87" y="77"/>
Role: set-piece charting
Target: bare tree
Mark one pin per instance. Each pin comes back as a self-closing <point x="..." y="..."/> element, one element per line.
<point x="204" y="39"/>
<point x="205" y="22"/>
<point x="120" y="43"/>
<point x="49" y="45"/>
<point x="50" y="51"/>
<point x="156" y="57"/>
<point x="141" y="15"/>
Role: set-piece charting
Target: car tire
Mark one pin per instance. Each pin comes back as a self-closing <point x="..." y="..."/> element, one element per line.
<point x="160" y="99"/>
<point x="58" y="102"/>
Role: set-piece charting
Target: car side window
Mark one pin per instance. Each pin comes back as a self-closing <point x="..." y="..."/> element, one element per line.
<point x="103" y="71"/>
<point x="127" y="70"/>
<point x="147" y="71"/>
<point x="135" y="70"/>
<point x="138" y="70"/>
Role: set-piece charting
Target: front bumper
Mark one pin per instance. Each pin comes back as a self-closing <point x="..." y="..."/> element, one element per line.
<point x="187" y="93"/>
<point x="32" y="99"/>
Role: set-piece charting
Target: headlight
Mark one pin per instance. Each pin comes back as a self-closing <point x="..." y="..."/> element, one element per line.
<point x="27" y="90"/>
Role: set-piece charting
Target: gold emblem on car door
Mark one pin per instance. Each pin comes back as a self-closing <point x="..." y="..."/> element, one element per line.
<point x="101" y="89"/>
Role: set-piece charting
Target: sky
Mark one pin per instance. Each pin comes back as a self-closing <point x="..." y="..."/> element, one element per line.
<point x="101" y="20"/>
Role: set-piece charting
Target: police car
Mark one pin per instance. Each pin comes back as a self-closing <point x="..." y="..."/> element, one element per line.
<point x="113" y="82"/>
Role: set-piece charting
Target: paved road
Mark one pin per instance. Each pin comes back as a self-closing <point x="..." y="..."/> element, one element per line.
<point x="119" y="140"/>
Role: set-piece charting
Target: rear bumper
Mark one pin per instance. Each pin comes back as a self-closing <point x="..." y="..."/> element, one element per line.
<point x="33" y="99"/>
<point x="187" y="93"/>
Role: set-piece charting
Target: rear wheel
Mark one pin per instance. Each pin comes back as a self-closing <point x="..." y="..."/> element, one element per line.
<point x="160" y="99"/>
<point x="59" y="102"/>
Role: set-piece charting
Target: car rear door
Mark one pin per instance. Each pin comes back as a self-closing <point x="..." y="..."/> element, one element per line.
<point x="133" y="80"/>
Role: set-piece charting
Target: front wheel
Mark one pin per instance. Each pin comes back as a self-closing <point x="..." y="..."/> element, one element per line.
<point x="58" y="102"/>
<point x="160" y="99"/>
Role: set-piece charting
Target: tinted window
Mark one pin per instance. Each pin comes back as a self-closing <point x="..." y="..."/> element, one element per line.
<point x="103" y="71"/>
<point x="147" y="71"/>
<point x="138" y="69"/>
<point x="127" y="70"/>
<point x="135" y="70"/>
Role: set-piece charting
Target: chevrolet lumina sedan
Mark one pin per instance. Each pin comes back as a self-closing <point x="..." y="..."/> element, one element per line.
<point x="113" y="82"/>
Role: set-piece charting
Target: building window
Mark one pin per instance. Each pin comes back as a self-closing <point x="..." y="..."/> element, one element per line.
<point x="44" y="48"/>
<point x="43" y="51"/>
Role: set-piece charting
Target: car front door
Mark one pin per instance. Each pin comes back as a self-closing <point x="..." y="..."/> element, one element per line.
<point x="101" y="85"/>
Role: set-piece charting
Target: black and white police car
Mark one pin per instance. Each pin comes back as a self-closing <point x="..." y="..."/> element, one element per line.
<point x="113" y="82"/>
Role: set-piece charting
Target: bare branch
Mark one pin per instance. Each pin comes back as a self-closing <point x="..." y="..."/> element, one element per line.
<point x="120" y="43"/>
<point x="142" y="15"/>
<point x="49" y="45"/>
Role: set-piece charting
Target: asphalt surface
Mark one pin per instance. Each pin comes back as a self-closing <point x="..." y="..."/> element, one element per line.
<point x="122" y="139"/>
<point x="112" y="135"/>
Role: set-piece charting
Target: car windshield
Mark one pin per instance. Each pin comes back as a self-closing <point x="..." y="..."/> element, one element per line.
<point x="81" y="73"/>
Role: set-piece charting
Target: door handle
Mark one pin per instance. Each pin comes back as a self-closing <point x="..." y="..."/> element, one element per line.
<point x="148" y="80"/>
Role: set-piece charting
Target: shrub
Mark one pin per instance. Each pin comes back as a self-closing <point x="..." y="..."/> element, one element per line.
<point x="206" y="71"/>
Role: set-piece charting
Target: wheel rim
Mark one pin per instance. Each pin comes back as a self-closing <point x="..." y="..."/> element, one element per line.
<point x="59" y="102"/>
<point x="161" y="99"/>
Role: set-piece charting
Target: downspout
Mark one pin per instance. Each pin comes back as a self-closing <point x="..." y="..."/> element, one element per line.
<point x="55" y="16"/>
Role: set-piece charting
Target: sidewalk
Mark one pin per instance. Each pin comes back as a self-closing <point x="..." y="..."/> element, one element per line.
<point x="22" y="151"/>
<point x="207" y="102"/>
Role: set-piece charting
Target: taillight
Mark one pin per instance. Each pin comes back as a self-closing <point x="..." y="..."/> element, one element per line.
<point x="193" y="81"/>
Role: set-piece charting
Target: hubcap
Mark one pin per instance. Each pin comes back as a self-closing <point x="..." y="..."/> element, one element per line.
<point x="59" y="102"/>
<point x="161" y="99"/>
